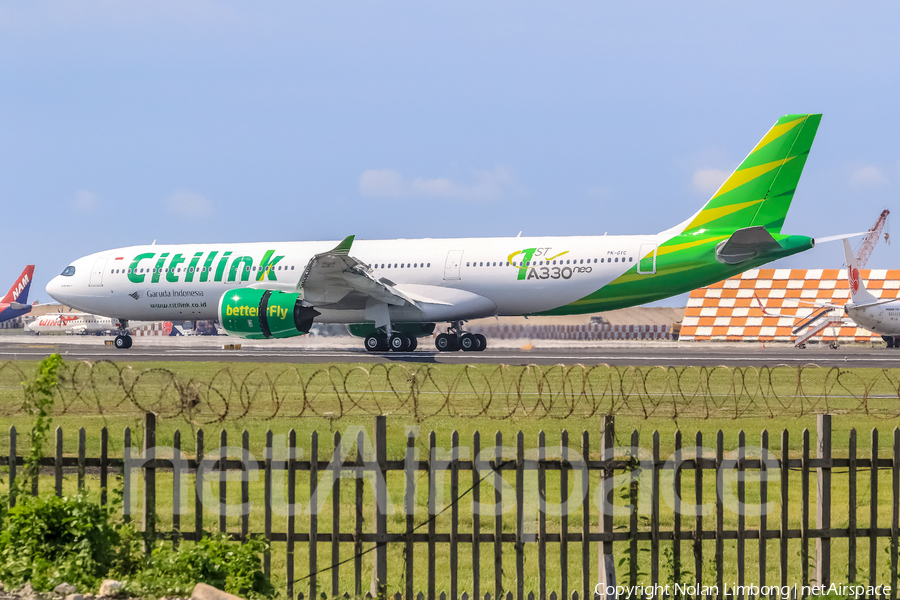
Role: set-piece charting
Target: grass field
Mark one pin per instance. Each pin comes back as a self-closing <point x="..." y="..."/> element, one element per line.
<point x="257" y="398"/>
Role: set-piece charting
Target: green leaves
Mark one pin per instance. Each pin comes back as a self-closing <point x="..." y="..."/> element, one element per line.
<point x="228" y="565"/>
<point x="50" y="540"/>
<point x="38" y="404"/>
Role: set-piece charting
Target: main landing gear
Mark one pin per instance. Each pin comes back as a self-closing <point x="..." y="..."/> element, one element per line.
<point x="123" y="340"/>
<point x="457" y="339"/>
<point x="396" y="342"/>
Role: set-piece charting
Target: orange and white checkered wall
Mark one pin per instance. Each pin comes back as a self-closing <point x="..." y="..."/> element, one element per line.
<point x="726" y="311"/>
<point x="592" y="331"/>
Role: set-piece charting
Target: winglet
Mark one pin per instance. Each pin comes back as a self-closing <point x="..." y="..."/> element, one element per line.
<point x="858" y="292"/>
<point x="344" y="246"/>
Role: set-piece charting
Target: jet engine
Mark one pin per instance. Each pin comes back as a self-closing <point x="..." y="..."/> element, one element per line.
<point x="261" y="314"/>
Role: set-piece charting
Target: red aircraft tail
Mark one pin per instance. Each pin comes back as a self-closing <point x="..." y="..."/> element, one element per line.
<point x="19" y="291"/>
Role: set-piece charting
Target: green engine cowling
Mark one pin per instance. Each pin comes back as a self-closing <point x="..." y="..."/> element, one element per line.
<point x="263" y="314"/>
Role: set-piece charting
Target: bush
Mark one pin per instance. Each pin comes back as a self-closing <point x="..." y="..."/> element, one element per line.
<point x="50" y="540"/>
<point x="230" y="566"/>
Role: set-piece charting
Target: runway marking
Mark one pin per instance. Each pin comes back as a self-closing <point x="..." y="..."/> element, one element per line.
<point x="163" y="354"/>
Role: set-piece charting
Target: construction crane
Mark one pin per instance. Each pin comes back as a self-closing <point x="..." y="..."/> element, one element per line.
<point x="868" y="243"/>
<point x="827" y="317"/>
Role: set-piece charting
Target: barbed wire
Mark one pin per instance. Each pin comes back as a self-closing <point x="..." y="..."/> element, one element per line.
<point x="421" y="392"/>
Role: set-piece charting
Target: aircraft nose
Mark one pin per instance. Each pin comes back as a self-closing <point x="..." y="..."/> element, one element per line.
<point x="54" y="289"/>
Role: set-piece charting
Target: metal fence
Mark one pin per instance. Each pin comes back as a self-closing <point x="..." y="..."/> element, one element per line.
<point x="628" y="478"/>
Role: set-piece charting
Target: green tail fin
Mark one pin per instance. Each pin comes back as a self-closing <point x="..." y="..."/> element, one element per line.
<point x="760" y="191"/>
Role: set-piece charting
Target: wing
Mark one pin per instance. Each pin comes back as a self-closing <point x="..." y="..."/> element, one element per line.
<point x="337" y="280"/>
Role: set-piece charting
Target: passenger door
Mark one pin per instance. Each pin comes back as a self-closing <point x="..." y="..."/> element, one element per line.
<point x="647" y="259"/>
<point x="451" y="267"/>
<point x="97" y="272"/>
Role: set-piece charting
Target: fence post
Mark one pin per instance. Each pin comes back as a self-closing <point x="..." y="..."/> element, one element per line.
<point x="12" y="466"/>
<point x="57" y="463"/>
<point x="379" y="568"/>
<point x="823" y="501"/>
<point x="606" y="562"/>
<point x="149" y="507"/>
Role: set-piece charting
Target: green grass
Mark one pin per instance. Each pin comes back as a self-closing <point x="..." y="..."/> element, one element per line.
<point x="343" y="399"/>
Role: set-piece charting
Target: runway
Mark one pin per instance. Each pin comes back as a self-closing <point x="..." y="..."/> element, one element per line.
<point x="347" y="350"/>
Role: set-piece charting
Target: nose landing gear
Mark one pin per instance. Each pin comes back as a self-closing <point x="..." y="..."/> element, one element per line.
<point x="123" y="340"/>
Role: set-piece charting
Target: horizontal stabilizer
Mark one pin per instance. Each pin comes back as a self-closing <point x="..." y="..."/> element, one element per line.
<point x="843" y="236"/>
<point x="745" y="244"/>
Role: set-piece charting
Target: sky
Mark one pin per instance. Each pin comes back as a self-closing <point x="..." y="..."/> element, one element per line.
<point x="199" y="121"/>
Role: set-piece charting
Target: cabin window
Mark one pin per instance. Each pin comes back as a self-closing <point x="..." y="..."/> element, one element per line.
<point x="630" y="259"/>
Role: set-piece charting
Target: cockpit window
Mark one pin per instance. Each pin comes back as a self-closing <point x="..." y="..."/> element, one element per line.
<point x="68" y="271"/>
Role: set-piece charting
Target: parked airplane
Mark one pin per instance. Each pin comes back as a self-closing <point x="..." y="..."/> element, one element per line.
<point x="864" y="309"/>
<point x="14" y="302"/>
<point x="393" y="291"/>
<point x="867" y="311"/>
<point x="73" y="323"/>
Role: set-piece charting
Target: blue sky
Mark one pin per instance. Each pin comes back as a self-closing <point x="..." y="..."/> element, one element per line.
<point x="124" y="122"/>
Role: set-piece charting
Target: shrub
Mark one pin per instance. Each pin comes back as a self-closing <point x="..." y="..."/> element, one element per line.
<point x="50" y="540"/>
<point x="228" y="565"/>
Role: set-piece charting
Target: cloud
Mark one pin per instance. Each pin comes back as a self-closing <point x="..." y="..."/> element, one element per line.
<point x="488" y="185"/>
<point x="189" y="204"/>
<point x="868" y="176"/>
<point x="708" y="181"/>
<point x="85" y="201"/>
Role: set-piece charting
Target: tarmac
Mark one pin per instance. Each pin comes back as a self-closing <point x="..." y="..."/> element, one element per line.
<point x="518" y="352"/>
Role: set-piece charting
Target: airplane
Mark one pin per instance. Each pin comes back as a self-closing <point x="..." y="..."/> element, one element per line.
<point x="881" y="316"/>
<point x="392" y="292"/>
<point x="14" y="302"/>
<point x="867" y="311"/>
<point x="80" y="323"/>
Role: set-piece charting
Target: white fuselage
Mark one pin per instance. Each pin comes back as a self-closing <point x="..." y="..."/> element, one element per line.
<point x="449" y="278"/>
<point x="883" y="319"/>
<point x="72" y="323"/>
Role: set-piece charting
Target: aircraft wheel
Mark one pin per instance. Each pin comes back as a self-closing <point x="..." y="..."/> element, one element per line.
<point x="122" y="342"/>
<point x="398" y="342"/>
<point x="445" y="342"/>
<point x="482" y="342"/>
<point x="468" y="343"/>
<point x="373" y="343"/>
<point x="413" y="344"/>
<point x="889" y="340"/>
